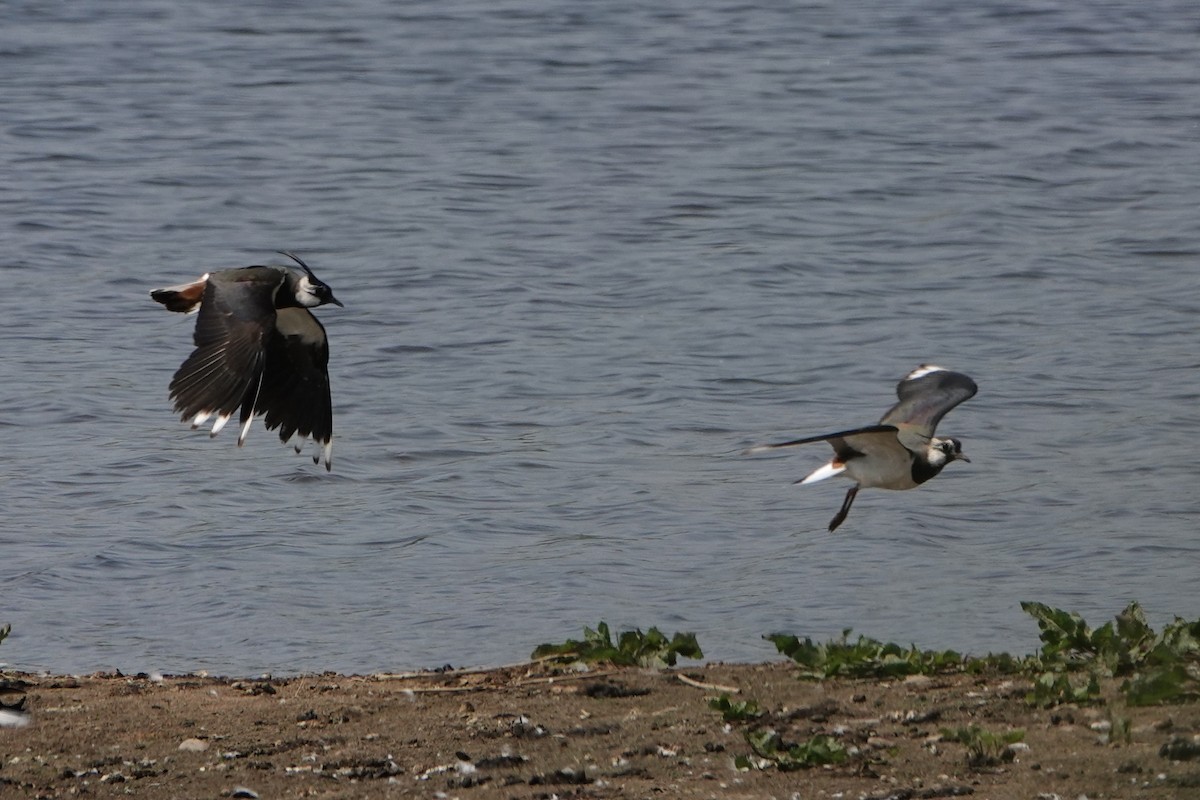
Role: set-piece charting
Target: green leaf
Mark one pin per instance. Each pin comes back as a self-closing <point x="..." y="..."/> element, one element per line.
<point x="650" y="649"/>
<point x="817" y="751"/>
<point x="1056" y="688"/>
<point x="740" y="711"/>
<point x="984" y="748"/>
<point x="1064" y="635"/>
<point x="1170" y="684"/>
<point x="863" y="658"/>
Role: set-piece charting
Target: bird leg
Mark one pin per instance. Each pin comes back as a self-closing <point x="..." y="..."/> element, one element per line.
<point x="841" y="515"/>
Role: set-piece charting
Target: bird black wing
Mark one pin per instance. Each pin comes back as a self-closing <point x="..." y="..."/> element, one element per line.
<point x="295" y="386"/>
<point x="223" y="372"/>
<point x="926" y="395"/>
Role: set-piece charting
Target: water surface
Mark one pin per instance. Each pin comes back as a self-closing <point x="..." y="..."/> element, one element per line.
<point x="588" y="254"/>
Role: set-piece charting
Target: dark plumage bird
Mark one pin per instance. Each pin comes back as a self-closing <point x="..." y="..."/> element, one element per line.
<point x="258" y="349"/>
<point x="900" y="452"/>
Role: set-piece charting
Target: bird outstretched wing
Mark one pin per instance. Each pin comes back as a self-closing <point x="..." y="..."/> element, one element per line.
<point x="223" y="372"/>
<point x="833" y="438"/>
<point x="926" y="395"/>
<point x="295" y="387"/>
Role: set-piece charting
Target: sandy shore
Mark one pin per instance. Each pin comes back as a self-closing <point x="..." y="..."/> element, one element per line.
<point x="529" y="732"/>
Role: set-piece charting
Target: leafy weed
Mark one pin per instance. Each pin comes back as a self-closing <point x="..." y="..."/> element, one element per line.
<point x="984" y="748"/>
<point x="632" y="648"/>
<point x="740" y="711"/>
<point x="1158" y="667"/>
<point x="771" y="749"/>
<point x="863" y="658"/>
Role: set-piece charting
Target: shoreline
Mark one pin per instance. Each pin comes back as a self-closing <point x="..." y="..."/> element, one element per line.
<point x="535" y="730"/>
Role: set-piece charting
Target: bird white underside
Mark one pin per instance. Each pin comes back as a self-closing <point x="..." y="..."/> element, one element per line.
<point x="877" y="473"/>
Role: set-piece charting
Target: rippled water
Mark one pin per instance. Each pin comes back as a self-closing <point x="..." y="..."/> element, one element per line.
<point x="589" y="252"/>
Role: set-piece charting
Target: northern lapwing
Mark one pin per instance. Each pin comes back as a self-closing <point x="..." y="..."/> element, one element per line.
<point x="258" y="348"/>
<point x="900" y="452"/>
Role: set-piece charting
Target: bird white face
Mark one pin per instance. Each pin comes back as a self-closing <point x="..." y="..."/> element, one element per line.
<point x="942" y="451"/>
<point x="309" y="294"/>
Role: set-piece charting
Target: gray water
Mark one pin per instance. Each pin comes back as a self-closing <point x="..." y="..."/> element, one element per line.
<point x="589" y="252"/>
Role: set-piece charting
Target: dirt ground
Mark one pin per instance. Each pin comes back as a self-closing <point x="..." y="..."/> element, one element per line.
<point x="529" y="732"/>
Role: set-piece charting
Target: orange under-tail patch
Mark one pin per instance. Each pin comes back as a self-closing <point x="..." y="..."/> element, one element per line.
<point x="183" y="298"/>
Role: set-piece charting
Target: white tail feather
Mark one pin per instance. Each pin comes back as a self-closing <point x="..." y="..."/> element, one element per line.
<point x="827" y="471"/>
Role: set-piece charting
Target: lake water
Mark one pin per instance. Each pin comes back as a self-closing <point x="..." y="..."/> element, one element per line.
<point x="589" y="252"/>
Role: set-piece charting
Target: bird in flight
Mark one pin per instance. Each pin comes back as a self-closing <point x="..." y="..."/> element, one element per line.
<point x="258" y="349"/>
<point x="900" y="452"/>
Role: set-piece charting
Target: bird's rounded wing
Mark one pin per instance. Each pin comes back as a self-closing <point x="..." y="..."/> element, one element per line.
<point x="295" y="386"/>
<point x="926" y="395"/>
<point x="236" y="314"/>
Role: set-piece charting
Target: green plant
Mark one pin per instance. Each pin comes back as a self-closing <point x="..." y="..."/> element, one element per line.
<point x="1158" y="667"/>
<point x="1171" y="683"/>
<point x="817" y="751"/>
<point x="1055" y="688"/>
<point x="863" y="658"/>
<point x="650" y="649"/>
<point x="1068" y="641"/>
<point x="740" y="711"/>
<point x="1120" y="730"/>
<point x="984" y="748"/>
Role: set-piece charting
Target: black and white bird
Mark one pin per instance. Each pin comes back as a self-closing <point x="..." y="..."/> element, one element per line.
<point x="258" y="349"/>
<point x="900" y="452"/>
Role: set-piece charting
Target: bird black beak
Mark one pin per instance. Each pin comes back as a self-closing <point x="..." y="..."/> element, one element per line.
<point x="335" y="301"/>
<point x="959" y="457"/>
